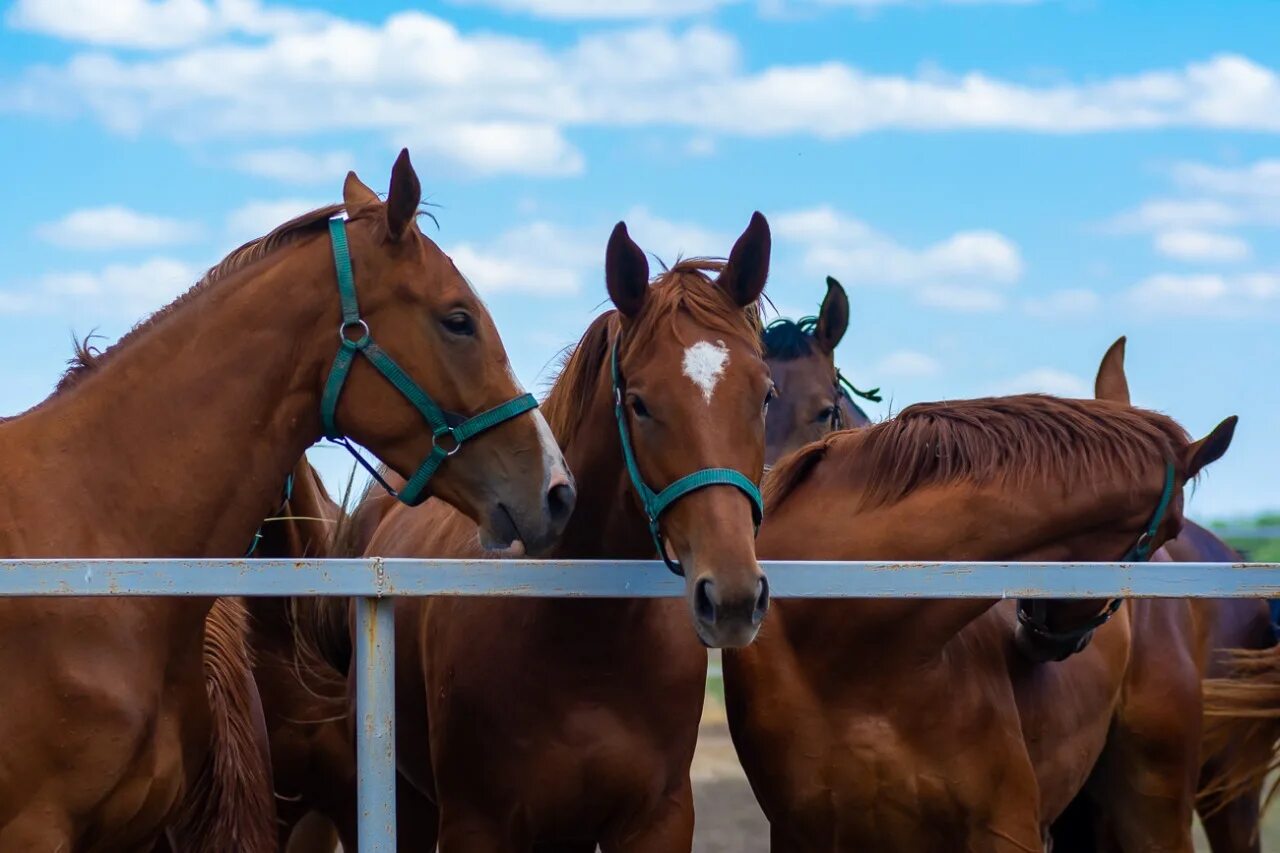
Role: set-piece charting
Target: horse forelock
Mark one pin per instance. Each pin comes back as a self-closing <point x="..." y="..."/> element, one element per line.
<point x="687" y="290"/>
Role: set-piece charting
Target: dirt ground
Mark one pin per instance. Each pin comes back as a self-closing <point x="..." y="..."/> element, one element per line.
<point x="728" y="819"/>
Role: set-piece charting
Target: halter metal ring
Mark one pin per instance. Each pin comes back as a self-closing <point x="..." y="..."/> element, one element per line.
<point x="448" y="433"/>
<point x="352" y="324"/>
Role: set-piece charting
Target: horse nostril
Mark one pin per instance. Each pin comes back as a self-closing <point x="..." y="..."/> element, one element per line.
<point x="762" y="601"/>
<point x="560" y="502"/>
<point x="704" y="601"/>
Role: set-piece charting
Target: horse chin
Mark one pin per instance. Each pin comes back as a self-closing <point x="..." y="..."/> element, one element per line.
<point x="499" y="536"/>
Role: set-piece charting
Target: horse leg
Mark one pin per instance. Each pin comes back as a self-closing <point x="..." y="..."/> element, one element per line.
<point x="1149" y="791"/>
<point x="566" y="847"/>
<point x="1234" y="827"/>
<point x="666" y="829"/>
<point x="417" y="819"/>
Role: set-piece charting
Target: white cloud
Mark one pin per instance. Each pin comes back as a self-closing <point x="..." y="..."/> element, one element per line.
<point x="1260" y="179"/>
<point x="1201" y="246"/>
<point x="154" y="24"/>
<point x="603" y="9"/>
<point x="115" y="227"/>
<point x="256" y="218"/>
<point x="1045" y="380"/>
<point x="668" y="240"/>
<point x="127" y="289"/>
<point x="1206" y="294"/>
<point x="966" y="300"/>
<point x="905" y="364"/>
<point x="502" y="147"/>
<point x="1159" y="214"/>
<point x="497" y="104"/>
<point x="962" y="272"/>
<point x="296" y="166"/>
<point x="541" y="259"/>
<point x="15" y="303"/>
<point x="1062" y="303"/>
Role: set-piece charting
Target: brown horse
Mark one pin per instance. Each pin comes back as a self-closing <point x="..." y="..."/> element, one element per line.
<point x="177" y="443"/>
<point x="1175" y="646"/>
<point x="812" y="396"/>
<point x="915" y="725"/>
<point x="304" y="700"/>
<point x="563" y="724"/>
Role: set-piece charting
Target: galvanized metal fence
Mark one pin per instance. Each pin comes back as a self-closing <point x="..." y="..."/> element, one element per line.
<point x="374" y="582"/>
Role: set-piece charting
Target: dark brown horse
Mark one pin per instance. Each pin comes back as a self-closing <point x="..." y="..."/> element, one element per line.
<point x="915" y="725"/>
<point x="1178" y="644"/>
<point x="177" y="443"/>
<point x="813" y="397"/>
<point x="563" y="724"/>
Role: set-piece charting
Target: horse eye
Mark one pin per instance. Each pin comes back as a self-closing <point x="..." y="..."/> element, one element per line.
<point x="459" y="323"/>
<point x="827" y="414"/>
<point x="638" y="406"/>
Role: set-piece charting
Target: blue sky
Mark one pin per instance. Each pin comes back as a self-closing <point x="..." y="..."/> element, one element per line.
<point x="1004" y="187"/>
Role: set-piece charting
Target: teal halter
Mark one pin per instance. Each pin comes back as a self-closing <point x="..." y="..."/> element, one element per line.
<point x="1034" y="615"/>
<point x="450" y="430"/>
<point x="656" y="503"/>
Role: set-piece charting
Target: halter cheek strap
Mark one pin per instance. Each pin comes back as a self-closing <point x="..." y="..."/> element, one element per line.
<point x="1033" y="615"/>
<point x="655" y="503"/>
<point x="450" y="431"/>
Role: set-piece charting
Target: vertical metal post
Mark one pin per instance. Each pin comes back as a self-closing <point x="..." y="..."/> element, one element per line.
<point x="376" y="724"/>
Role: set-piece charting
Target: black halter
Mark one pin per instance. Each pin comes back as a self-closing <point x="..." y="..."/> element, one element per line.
<point x="1047" y="644"/>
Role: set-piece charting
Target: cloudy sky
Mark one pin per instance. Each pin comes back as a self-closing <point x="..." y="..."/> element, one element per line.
<point x="1004" y="186"/>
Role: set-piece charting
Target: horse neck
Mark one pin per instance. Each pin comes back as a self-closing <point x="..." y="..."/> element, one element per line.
<point x="179" y="441"/>
<point x="607" y="521"/>
<point x="950" y="523"/>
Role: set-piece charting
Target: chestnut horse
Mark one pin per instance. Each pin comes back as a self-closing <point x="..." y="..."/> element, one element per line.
<point x="813" y="396"/>
<point x="304" y="700"/>
<point x="178" y="443"/>
<point x="915" y="725"/>
<point x="1172" y="653"/>
<point x="562" y="724"/>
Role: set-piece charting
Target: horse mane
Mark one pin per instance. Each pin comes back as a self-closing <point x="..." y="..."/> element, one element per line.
<point x="85" y="357"/>
<point x="786" y="340"/>
<point x="990" y="441"/>
<point x="686" y="288"/>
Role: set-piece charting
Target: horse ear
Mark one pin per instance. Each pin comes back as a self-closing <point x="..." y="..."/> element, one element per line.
<point x="626" y="272"/>
<point x="748" y="266"/>
<point x="833" y="317"/>
<point x="404" y="196"/>
<point x="1111" y="383"/>
<point x="1210" y="448"/>
<point x="356" y="195"/>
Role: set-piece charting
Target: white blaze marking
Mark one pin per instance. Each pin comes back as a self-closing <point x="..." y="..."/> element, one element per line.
<point x="704" y="363"/>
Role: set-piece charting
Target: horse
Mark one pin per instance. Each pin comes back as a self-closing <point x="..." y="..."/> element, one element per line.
<point x="304" y="700"/>
<point x="1176" y="646"/>
<point x="565" y="724"/>
<point x="177" y="442"/>
<point x="813" y="396"/>
<point x="916" y="725"/>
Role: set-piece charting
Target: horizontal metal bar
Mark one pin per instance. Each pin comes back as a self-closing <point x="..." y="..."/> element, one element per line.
<point x="630" y="579"/>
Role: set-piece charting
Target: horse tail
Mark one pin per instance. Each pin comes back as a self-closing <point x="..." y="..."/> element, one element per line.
<point x="1242" y="726"/>
<point x="321" y="632"/>
<point x="232" y="805"/>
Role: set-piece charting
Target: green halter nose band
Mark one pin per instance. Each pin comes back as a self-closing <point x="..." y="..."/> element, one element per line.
<point x="655" y="503"/>
<point x="450" y="431"/>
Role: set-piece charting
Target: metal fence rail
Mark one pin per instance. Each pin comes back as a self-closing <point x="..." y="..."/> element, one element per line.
<point x="372" y="581"/>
